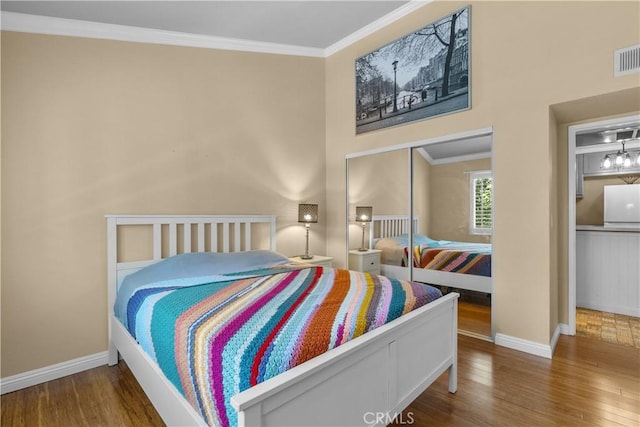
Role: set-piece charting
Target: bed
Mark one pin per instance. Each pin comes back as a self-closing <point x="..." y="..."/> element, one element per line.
<point x="460" y="265"/>
<point x="364" y="381"/>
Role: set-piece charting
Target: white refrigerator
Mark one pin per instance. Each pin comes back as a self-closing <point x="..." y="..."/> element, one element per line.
<point x="622" y="205"/>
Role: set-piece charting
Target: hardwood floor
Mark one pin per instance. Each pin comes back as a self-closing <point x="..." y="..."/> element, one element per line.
<point x="474" y="312"/>
<point x="104" y="396"/>
<point x="474" y="318"/>
<point x="588" y="383"/>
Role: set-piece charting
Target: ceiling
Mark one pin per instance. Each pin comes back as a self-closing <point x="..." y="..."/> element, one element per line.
<point x="311" y="24"/>
<point x="611" y="135"/>
<point x="457" y="150"/>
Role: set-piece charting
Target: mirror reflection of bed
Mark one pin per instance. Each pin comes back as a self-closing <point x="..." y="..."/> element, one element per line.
<point x="451" y="245"/>
<point x="452" y="266"/>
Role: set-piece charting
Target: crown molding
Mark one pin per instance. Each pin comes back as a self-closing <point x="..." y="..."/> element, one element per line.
<point x="452" y="159"/>
<point x="371" y="28"/>
<point x="22" y="22"/>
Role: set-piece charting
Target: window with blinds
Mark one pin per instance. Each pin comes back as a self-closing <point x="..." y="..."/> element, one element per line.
<point x="481" y="191"/>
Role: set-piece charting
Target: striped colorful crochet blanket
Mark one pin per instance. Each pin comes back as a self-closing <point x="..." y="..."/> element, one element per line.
<point x="467" y="258"/>
<point x="453" y="260"/>
<point x="218" y="338"/>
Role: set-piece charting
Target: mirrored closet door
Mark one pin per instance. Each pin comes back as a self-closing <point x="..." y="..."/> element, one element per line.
<point x="436" y="198"/>
<point x="378" y="192"/>
<point x="452" y="203"/>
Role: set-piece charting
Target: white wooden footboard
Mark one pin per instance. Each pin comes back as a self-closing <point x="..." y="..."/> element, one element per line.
<point x="367" y="381"/>
<point x="362" y="382"/>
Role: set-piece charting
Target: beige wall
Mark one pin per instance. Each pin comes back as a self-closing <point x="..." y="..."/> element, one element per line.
<point x="526" y="57"/>
<point x="92" y="127"/>
<point x="553" y="224"/>
<point x="422" y="193"/>
<point x="449" y="200"/>
<point x="381" y="181"/>
<point x="441" y="193"/>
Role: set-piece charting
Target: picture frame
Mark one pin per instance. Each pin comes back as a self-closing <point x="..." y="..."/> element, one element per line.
<point x="422" y="75"/>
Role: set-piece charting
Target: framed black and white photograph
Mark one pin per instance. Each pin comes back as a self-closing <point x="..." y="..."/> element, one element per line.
<point x="421" y="75"/>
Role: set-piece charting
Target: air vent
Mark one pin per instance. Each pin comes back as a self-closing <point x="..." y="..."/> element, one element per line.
<point x="624" y="135"/>
<point x="627" y="61"/>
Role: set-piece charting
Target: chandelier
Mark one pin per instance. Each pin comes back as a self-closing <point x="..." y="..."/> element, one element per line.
<point x="622" y="159"/>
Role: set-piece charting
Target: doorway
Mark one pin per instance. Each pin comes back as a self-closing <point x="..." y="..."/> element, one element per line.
<point x="596" y="132"/>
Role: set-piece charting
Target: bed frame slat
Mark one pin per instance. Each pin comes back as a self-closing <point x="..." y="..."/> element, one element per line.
<point x="225" y="237"/>
<point x="186" y="239"/>
<point x="173" y="239"/>
<point x="247" y="236"/>
<point x="200" y="237"/>
<point x="157" y="241"/>
<point x="214" y="237"/>
<point x="236" y="237"/>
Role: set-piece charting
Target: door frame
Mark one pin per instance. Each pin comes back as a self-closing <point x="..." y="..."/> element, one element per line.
<point x="573" y="131"/>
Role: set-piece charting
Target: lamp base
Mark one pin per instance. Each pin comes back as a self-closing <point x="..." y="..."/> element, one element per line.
<point x="306" y="256"/>
<point x="363" y="249"/>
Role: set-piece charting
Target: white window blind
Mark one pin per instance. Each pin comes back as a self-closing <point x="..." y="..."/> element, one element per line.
<point x="481" y="203"/>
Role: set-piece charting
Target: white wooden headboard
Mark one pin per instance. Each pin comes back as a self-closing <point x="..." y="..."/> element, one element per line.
<point x="224" y="233"/>
<point x="192" y="231"/>
<point x="389" y="226"/>
<point x="218" y="228"/>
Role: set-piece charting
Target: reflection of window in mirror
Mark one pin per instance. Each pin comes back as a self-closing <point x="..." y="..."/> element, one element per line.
<point x="450" y="200"/>
<point x="481" y="202"/>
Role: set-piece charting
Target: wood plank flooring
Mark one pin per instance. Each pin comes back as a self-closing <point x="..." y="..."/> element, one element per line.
<point x="474" y="318"/>
<point x="588" y="383"/>
<point x="104" y="396"/>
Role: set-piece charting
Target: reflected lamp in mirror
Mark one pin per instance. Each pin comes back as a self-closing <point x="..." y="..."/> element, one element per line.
<point x="364" y="214"/>
<point x="307" y="214"/>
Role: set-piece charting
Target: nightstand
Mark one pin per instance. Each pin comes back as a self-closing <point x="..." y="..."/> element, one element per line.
<point x="325" y="261"/>
<point x="366" y="261"/>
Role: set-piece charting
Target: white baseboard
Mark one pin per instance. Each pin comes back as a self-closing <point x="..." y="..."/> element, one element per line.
<point x="527" y="346"/>
<point x="554" y="339"/>
<point x="565" y="330"/>
<point x="53" y="372"/>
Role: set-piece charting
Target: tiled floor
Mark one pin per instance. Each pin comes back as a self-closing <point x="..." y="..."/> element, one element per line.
<point x="609" y="327"/>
